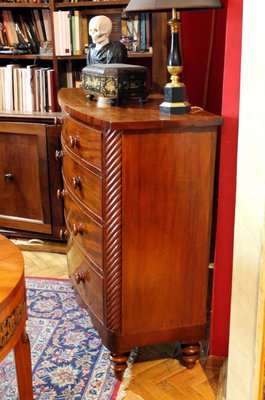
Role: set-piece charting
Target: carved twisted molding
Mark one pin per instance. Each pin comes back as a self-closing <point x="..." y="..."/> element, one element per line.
<point x="113" y="229"/>
<point x="9" y="325"/>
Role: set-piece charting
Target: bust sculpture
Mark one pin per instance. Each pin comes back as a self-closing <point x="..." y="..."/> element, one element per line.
<point x="102" y="50"/>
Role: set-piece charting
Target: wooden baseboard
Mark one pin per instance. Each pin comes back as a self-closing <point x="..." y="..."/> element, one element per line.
<point x="40" y="245"/>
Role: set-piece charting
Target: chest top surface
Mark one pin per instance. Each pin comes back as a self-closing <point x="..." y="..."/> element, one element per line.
<point x="130" y="116"/>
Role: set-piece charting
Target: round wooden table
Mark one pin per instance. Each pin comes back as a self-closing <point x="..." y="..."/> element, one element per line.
<point x="13" y="315"/>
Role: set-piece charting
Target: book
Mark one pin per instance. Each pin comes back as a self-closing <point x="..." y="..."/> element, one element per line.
<point x="32" y="38"/>
<point x="85" y="35"/>
<point x="2" y="87"/>
<point x="78" y="33"/>
<point x="30" y="88"/>
<point x="72" y="31"/>
<point x="40" y="25"/>
<point x="50" y="82"/>
<point x="20" y="30"/>
<point x="7" y="27"/>
<point x="21" y="99"/>
<point x="11" y="26"/>
<point x="15" y="86"/>
<point x="62" y="26"/>
<point x="44" y="88"/>
<point x="9" y="87"/>
<point x="24" y="89"/>
<point x="47" y="24"/>
<point x="66" y="24"/>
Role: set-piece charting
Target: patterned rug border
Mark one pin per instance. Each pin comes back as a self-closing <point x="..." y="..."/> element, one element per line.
<point x="47" y="279"/>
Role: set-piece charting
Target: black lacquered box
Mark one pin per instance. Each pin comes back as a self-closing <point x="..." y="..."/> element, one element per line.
<point x="116" y="81"/>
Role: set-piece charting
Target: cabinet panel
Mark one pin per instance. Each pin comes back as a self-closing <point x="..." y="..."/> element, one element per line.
<point x="168" y="229"/>
<point x="24" y="185"/>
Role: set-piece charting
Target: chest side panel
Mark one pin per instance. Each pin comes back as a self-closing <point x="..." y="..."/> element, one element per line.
<point x="167" y="180"/>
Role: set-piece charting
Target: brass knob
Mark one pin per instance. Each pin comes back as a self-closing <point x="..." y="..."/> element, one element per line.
<point x="74" y="141"/>
<point x="80" y="277"/>
<point x="76" y="182"/>
<point x="8" y="177"/>
<point x="60" y="194"/>
<point x="78" y="229"/>
<point x="63" y="234"/>
<point x="58" y="155"/>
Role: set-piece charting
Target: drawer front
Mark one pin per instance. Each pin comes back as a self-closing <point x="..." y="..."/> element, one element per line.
<point x="88" y="283"/>
<point x="85" y="185"/>
<point x="83" y="141"/>
<point x="88" y="233"/>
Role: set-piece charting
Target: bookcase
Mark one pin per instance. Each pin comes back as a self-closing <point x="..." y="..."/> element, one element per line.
<point x="43" y="45"/>
<point x="33" y="67"/>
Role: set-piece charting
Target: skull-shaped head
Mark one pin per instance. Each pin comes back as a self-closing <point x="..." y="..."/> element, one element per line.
<point x="99" y="29"/>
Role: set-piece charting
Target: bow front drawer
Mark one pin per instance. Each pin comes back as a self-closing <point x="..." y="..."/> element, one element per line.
<point x="87" y="233"/>
<point x="84" y="142"/>
<point x="84" y="184"/>
<point x="87" y="282"/>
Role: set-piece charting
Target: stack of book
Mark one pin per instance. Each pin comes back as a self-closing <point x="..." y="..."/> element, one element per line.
<point x="26" y="89"/>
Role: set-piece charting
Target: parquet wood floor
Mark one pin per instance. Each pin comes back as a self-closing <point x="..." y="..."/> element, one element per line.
<point x="155" y="375"/>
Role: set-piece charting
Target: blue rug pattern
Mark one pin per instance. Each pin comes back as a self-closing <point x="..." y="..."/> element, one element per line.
<point x="69" y="361"/>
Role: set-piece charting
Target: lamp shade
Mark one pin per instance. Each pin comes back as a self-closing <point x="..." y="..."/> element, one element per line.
<point x="163" y="5"/>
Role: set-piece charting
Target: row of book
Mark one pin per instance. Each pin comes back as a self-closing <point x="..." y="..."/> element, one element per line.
<point x="136" y="31"/>
<point x="29" y="29"/>
<point x="72" y="38"/>
<point x="26" y="89"/>
<point x="71" y="32"/>
<point x="70" y="75"/>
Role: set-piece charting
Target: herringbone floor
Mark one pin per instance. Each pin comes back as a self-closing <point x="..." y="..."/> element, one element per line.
<point x="155" y="375"/>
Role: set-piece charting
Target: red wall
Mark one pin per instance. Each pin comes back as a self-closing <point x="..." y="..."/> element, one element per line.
<point x="227" y="183"/>
<point x="203" y="41"/>
<point x="211" y="43"/>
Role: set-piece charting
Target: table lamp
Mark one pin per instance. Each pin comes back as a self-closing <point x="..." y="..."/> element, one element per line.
<point x="174" y="91"/>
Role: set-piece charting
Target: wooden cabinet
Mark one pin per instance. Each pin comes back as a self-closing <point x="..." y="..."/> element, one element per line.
<point x="30" y="176"/>
<point x="139" y="220"/>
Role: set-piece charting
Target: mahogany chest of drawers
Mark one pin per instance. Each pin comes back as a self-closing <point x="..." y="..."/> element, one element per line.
<point x="137" y="200"/>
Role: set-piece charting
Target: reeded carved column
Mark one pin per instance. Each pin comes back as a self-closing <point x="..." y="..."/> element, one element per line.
<point x="113" y="228"/>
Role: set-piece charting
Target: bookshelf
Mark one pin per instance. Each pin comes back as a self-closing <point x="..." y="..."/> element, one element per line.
<point x="25" y="114"/>
<point x="32" y="13"/>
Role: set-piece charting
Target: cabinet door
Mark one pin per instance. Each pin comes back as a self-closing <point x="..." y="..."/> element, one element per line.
<point x="24" y="181"/>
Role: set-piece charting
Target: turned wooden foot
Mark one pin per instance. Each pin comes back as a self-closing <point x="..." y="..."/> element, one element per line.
<point x="119" y="364"/>
<point x="190" y="354"/>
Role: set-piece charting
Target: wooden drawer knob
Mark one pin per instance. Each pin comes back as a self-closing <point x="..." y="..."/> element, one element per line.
<point x="8" y="177"/>
<point x="78" y="229"/>
<point x="63" y="234"/>
<point x="79" y="277"/>
<point x="76" y="182"/>
<point x="60" y="194"/>
<point x="74" y="141"/>
<point x="58" y="155"/>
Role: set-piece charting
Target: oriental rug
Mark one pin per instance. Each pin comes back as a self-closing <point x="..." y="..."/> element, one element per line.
<point x="69" y="361"/>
